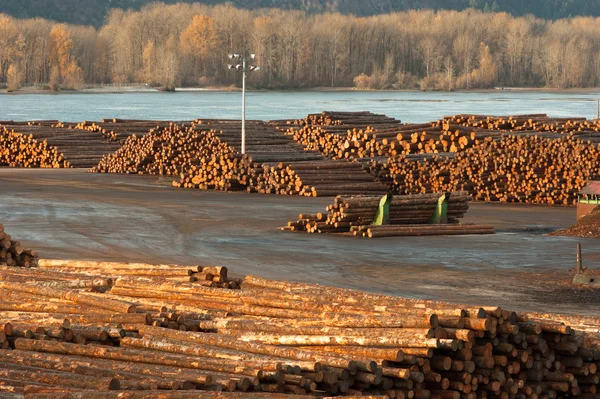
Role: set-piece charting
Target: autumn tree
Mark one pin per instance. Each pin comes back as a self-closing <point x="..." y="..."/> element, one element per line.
<point x="61" y="46"/>
<point x="14" y="77"/>
<point x="198" y="42"/>
<point x="8" y="38"/>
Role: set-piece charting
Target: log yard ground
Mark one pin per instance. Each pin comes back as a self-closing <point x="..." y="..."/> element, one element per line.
<point x="71" y="214"/>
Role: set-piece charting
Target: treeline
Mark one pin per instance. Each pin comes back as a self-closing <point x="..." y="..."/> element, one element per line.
<point x="93" y="12"/>
<point x="187" y="45"/>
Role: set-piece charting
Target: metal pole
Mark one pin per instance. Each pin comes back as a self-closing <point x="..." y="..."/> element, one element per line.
<point x="579" y="266"/>
<point x="598" y="109"/>
<point x="244" y="106"/>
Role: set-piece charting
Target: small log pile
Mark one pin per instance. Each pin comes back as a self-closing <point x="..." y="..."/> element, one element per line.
<point x="13" y="254"/>
<point x="69" y="332"/>
<point x="24" y="151"/>
<point x="409" y="215"/>
<point x="528" y="169"/>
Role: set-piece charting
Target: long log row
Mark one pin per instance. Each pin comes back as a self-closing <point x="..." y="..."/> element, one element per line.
<point x="409" y="215"/>
<point x="24" y="151"/>
<point x="360" y="136"/>
<point x="206" y="155"/>
<point x="315" y="178"/>
<point x="82" y="149"/>
<point x="536" y="122"/>
<point x="281" y="165"/>
<point x="276" y="337"/>
<point x="357" y="136"/>
<point x="513" y="169"/>
<point x="13" y="254"/>
<point x="116" y="129"/>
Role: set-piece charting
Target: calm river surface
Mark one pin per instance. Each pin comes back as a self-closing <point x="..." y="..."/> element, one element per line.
<point x="406" y="106"/>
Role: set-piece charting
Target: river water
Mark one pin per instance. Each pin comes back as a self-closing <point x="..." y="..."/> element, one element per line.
<point x="187" y="105"/>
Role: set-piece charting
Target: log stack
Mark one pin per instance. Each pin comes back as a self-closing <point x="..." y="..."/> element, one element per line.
<point x="69" y="332"/>
<point x="12" y="252"/>
<point x="282" y="166"/>
<point x="527" y="169"/>
<point x="409" y="215"/>
<point x="24" y="151"/>
<point x="82" y="149"/>
<point x="198" y="157"/>
<point x="206" y="155"/>
<point x="315" y="178"/>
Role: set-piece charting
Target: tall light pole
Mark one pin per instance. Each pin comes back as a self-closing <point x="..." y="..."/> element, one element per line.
<point x="243" y="66"/>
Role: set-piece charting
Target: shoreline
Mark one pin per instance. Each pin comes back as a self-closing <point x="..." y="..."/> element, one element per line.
<point x="225" y="89"/>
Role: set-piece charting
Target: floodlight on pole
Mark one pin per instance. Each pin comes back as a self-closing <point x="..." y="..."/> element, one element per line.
<point x="244" y="67"/>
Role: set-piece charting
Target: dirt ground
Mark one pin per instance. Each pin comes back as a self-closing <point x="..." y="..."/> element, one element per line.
<point x="73" y="214"/>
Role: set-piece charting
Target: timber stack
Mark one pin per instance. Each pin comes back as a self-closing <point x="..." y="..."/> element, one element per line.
<point x="118" y="130"/>
<point x="528" y="169"/>
<point x="282" y="166"/>
<point x="12" y="252"/>
<point x="70" y="332"/>
<point x="323" y="178"/>
<point x="198" y="157"/>
<point x="24" y="151"/>
<point x="55" y="145"/>
<point x="409" y="215"/>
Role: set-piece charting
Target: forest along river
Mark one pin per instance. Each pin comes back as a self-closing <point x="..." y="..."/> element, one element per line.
<point x="414" y="107"/>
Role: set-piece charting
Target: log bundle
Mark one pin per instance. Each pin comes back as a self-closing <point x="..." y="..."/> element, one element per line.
<point x="115" y="129"/>
<point x="80" y="148"/>
<point x="365" y="135"/>
<point x="322" y="178"/>
<point x="409" y="215"/>
<point x="70" y="331"/>
<point x="12" y="252"/>
<point x="198" y="157"/>
<point x="527" y="169"/>
<point x="281" y="166"/>
<point x="24" y="151"/>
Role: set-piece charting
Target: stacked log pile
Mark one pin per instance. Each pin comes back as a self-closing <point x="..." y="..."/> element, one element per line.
<point x="315" y="178"/>
<point x="360" y="135"/>
<point x="118" y="129"/>
<point x="274" y="337"/>
<point x="540" y="182"/>
<point x="41" y="145"/>
<point x="198" y="157"/>
<point x="528" y="169"/>
<point x="409" y="215"/>
<point x="206" y="155"/>
<point x="24" y="151"/>
<point x="12" y="252"/>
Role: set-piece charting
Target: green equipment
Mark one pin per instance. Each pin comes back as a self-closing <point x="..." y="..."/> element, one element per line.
<point x="383" y="211"/>
<point x="440" y="216"/>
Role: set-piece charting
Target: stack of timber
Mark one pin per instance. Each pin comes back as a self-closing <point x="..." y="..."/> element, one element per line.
<point x="409" y="215"/>
<point x="364" y="135"/>
<point x="532" y="122"/>
<point x="13" y="254"/>
<point x="198" y="157"/>
<point x="206" y="155"/>
<point x="42" y="145"/>
<point x="321" y="178"/>
<point x="528" y="169"/>
<point x="115" y="129"/>
<point x="23" y="151"/>
<point x="282" y="166"/>
<point x="73" y="334"/>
